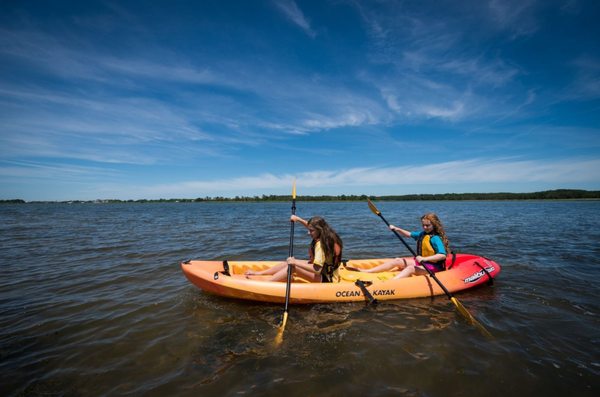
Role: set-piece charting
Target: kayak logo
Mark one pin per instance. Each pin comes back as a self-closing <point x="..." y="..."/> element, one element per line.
<point x="346" y="294"/>
<point x="377" y="292"/>
<point x="476" y="276"/>
<point x="380" y="292"/>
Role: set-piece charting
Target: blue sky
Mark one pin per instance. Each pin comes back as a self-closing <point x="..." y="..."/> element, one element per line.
<point x="185" y="99"/>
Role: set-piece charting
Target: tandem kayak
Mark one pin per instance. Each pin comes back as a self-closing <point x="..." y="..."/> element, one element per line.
<point x="226" y="278"/>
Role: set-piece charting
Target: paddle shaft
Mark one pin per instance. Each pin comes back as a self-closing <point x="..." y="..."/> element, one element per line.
<point x="432" y="274"/>
<point x="291" y="253"/>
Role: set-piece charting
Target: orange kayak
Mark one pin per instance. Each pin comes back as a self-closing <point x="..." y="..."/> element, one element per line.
<point x="227" y="279"/>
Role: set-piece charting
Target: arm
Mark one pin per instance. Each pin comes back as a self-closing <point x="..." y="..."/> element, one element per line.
<point x="302" y="264"/>
<point x="432" y="258"/>
<point x="317" y="262"/>
<point x="295" y="218"/>
<point x="403" y="232"/>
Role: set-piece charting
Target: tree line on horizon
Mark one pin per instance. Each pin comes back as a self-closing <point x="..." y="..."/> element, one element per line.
<point x="558" y="194"/>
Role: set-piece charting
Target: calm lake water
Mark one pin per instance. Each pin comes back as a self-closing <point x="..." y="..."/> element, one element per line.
<point x="93" y="302"/>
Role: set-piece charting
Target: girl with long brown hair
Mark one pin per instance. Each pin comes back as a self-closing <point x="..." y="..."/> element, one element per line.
<point x="325" y="255"/>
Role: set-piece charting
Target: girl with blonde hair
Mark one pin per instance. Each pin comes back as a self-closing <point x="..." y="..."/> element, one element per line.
<point x="432" y="248"/>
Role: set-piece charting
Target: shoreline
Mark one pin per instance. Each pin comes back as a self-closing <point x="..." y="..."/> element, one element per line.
<point x="559" y="194"/>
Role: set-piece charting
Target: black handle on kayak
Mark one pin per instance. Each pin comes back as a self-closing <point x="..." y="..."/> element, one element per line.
<point x="361" y="284"/>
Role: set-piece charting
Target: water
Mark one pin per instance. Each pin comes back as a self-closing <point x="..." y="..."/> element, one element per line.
<point x="93" y="302"/>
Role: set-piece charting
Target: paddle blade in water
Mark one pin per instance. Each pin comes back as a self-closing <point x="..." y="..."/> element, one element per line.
<point x="279" y="336"/>
<point x="469" y="317"/>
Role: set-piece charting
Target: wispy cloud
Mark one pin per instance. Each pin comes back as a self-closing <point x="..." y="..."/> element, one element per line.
<point x="417" y="98"/>
<point x="291" y="10"/>
<point x="117" y="93"/>
<point x="71" y="125"/>
<point x="57" y="171"/>
<point x="70" y="60"/>
<point x="162" y="71"/>
<point x="433" y="67"/>
<point x="514" y="16"/>
<point x="587" y="81"/>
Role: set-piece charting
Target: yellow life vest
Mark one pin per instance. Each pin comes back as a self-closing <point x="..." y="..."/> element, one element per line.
<point x="328" y="267"/>
<point x="426" y="249"/>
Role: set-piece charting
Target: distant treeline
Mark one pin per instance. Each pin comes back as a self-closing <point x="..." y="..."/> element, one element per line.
<point x="559" y="194"/>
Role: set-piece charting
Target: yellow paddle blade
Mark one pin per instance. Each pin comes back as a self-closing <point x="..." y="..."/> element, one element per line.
<point x="279" y="336"/>
<point x="462" y="310"/>
<point x="373" y="208"/>
<point x="294" y="189"/>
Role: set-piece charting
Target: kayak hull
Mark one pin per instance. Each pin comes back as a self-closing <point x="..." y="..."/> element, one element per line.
<point x="227" y="279"/>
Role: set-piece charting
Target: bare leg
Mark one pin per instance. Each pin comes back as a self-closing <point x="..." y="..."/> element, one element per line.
<point x="281" y="275"/>
<point x="269" y="271"/>
<point x="410" y="269"/>
<point x="389" y="265"/>
<point x="407" y="272"/>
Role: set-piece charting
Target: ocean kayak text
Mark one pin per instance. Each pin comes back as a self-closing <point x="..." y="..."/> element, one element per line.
<point x="377" y="292"/>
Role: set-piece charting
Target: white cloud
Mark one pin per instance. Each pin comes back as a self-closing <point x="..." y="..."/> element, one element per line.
<point x="290" y="10"/>
<point x="419" y="98"/>
<point x="162" y="71"/>
<point x="350" y="118"/>
<point x="431" y="67"/>
<point x="454" y="111"/>
<point x="71" y="125"/>
<point x="122" y="95"/>
<point x="63" y="58"/>
<point x="57" y="171"/>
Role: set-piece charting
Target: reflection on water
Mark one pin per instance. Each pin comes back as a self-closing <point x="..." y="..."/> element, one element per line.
<point x="93" y="302"/>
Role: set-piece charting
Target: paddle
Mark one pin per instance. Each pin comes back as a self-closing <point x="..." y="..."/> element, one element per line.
<point x="462" y="310"/>
<point x="279" y="337"/>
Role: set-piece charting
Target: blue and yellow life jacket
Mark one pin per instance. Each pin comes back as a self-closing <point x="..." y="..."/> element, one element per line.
<point x="425" y="248"/>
